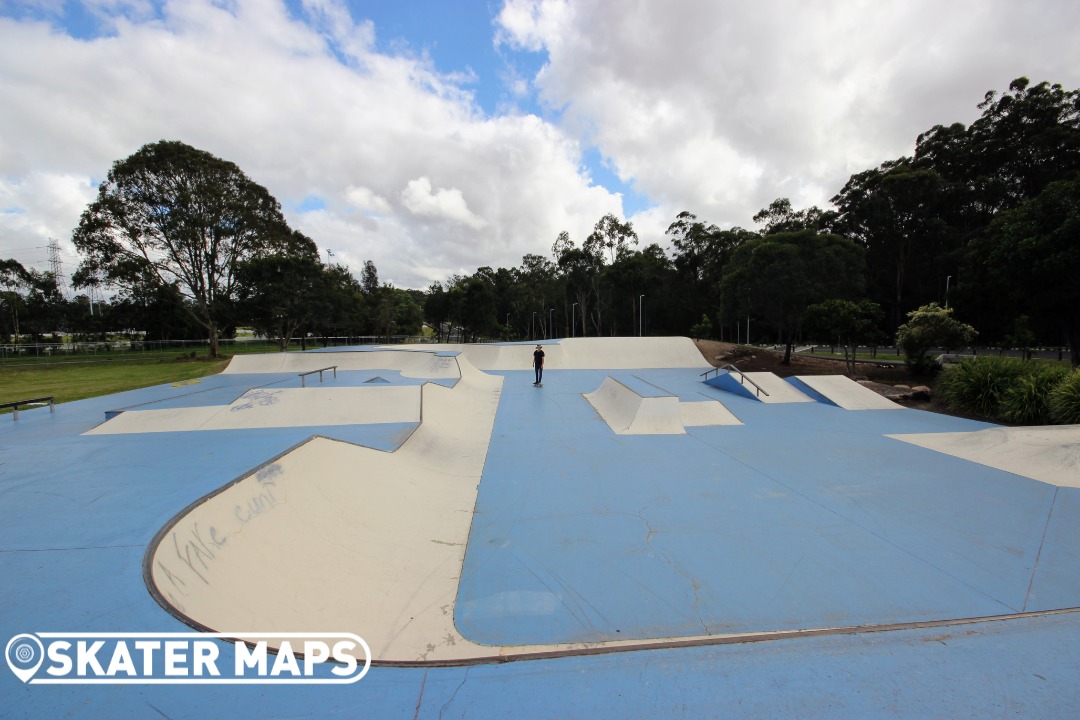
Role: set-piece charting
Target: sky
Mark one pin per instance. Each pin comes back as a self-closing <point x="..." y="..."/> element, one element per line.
<point x="436" y="137"/>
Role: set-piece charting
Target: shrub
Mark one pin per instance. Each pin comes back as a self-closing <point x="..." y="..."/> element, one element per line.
<point x="1065" y="400"/>
<point x="928" y="327"/>
<point x="1027" y="400"/>
<point x="978" y="385"/>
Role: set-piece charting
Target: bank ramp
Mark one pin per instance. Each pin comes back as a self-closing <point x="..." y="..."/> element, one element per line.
<point x="632" y="406"/>
<point x="765" y="387"/>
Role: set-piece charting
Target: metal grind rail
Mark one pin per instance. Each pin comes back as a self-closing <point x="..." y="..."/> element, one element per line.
<point x="320" y="371"/>
<point x="742" y="377"/>
<point x="34" y="401"/>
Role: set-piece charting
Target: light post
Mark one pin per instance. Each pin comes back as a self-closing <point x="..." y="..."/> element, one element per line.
<point x="947" y="279"/>
<point x="573" y="320"/>
<point x="641" y="316"/>
<point x="551" y="323"/>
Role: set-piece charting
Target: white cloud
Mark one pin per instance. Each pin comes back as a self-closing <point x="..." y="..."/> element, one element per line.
<point x="419" y="198"/>
<point x="306" y="109"/>
<point x="27" y="206"/>
<point x="366" y="200"/>
<point x="719" y="108"/>
<point x="716" y="108"/>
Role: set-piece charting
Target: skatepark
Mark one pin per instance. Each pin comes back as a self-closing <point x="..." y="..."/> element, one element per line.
<point x="643" y="536"/>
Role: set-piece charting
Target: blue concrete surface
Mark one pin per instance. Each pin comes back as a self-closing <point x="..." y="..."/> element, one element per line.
<point x="805" y="516"/>
<point x="802" y="517"/>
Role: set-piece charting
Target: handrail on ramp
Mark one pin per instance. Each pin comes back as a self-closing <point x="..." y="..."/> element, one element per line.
<point x="742" y="377"/>
<point x="34" y="401"/>
<point x="320" y="371"/>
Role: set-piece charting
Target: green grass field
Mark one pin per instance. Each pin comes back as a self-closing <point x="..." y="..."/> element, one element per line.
<point x="80" y="380"/>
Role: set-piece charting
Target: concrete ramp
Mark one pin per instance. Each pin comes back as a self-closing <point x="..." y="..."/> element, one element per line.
<point x="1050" y="454"/>
<point x="631" y="406"/>
<point x="619" y="353"/>
<point x="425" y="362"/>
<point x="388" y="530"/>
<point x="281" y="407"/>
<point x="706" y="414"/>
<point x="765" y="387"/>
<point x="842" y="391"/>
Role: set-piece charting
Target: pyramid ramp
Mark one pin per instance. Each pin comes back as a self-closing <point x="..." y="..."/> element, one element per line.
<point x="631" y="406"/>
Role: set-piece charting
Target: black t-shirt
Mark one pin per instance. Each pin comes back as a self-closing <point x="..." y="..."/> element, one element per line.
<point x="538" y="357"/>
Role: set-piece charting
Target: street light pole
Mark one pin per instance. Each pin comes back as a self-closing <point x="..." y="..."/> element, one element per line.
<point x="947" y="279"/>
<point x="551" y="323"/>
<point x="641" y="316"/>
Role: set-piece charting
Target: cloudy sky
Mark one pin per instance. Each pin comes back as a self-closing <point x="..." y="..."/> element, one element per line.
<point x="437" y="136"/>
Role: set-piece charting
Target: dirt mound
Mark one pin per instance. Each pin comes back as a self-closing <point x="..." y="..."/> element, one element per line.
<point x="891" y="381"/>
<point x="755" y="359"/>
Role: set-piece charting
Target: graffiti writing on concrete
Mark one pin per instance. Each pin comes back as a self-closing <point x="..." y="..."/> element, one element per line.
<point x="186" y="556"/>
<point x="255" y="397"/>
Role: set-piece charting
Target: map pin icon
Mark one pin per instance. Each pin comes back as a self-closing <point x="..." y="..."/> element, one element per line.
<point x="24" y="654"/>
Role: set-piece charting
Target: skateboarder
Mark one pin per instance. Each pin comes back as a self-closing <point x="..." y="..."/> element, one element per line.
<point x="538" y="366"/>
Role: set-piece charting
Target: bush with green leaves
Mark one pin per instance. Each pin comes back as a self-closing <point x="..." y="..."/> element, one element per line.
<point x="1065" y="400"/>
<point x="928" y="327"/>
<point x="978" y="385"/>
<point x="1027" y="399"/>
<point x="1015" y="390"/>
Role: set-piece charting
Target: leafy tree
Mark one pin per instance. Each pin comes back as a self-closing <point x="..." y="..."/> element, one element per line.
<point x="180" y="217"/>
<point x="649" y="273"/>
<point x="850" y="321"/>
<point x="369" y="278"/>
<point x="535" y="289"/>
<point x="341" y="309"/>
<point x="928" y="327"/>
<point x="894" y="211"/>
<point x="777" y="276"/>
<point x="780" y="217"/>
<point x="408" y="315"/>
<point x="1031" y="257"/>
<point x="31" y="300"/>
<point x="437" y="311"/>
<point x="615" y="235"/>
<point x="281" y="292"/>
<point x="700" y="253"/>
<point x="579" y="269"/>
<point x="703" y="329"/>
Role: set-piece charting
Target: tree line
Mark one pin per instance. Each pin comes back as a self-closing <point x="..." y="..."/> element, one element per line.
<point x="982" y="219"/>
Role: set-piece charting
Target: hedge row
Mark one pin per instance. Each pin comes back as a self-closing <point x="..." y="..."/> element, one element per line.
<point x="1018" y="391"/>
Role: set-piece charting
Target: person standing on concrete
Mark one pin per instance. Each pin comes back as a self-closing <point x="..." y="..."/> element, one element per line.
<point x="538" y="366"/>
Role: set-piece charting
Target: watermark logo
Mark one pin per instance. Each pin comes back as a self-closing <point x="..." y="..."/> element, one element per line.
<point x="225" y="658"/>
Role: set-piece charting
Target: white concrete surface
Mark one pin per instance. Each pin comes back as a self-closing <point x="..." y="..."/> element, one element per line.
<point x="628" y="413"/>
<point x="619" y="353"/>
<point x="333" y="535"/>
<point x="705" y="414"/>
<point x="278" y="407"/>
<point x="846" y="393"/>
<point x="424" y="363"/>
<point x="779" y="390"/>
<point x="1050" y="454"/>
